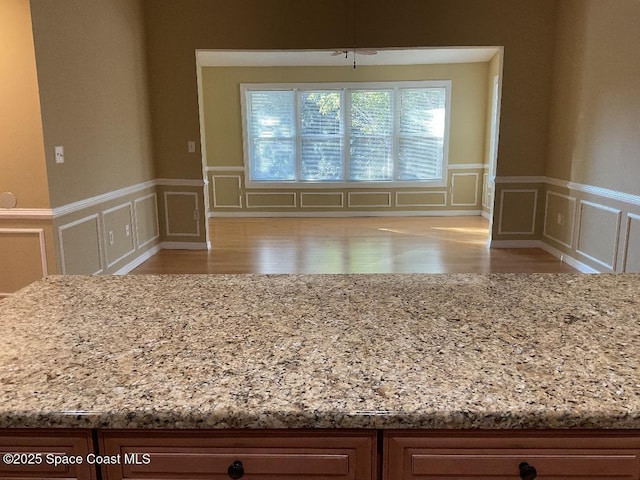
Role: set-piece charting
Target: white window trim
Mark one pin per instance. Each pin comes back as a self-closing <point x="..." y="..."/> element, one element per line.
<point x="244" y="87"/>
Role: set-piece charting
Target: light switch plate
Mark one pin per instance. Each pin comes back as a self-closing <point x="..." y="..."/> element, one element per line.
<point x="191" y="146"/>
<point x="59" y="154"/>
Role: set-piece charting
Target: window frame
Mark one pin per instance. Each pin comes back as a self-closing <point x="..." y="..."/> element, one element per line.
<point x="344" y="88"/>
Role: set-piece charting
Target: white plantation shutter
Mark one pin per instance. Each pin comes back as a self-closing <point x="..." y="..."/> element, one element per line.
<point x="346" y="133"/>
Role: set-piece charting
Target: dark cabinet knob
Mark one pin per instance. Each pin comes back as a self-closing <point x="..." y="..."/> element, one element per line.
<point x="236" y="470"/>
<point x="527" y="472"/>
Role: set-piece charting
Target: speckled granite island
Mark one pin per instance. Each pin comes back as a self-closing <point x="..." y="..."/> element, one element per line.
<point x="357" y="352"/>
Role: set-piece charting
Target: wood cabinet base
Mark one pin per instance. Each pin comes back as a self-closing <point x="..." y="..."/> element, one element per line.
<point x="557" y="455"/>
<point x="267" y="455"/>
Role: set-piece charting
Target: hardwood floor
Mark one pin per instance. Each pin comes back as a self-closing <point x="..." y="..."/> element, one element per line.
<point x="351" y="245"/>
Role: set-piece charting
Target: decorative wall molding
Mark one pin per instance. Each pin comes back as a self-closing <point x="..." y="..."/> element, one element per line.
<point x="573" y="223"/>
<point x="41" y="241"/>
<point x="195" y="206"/>
<point x="248" y="195"/>
<point x="135" y="217"/>
<point x="100" y="199"/>
<point x="215" y="203"/>
<point x="106" y="240"/>
<point x="578" y="187"/>
<point x="453" y="190"/>
<point x="316" y="194"/>
<point x="614" y="253"/>
<point x="351" y="195"/>
<point x="66" y="226"/>
<point x="501" y="231"/>
<point x="631" y="217"/>
<point x="26" y="214"/>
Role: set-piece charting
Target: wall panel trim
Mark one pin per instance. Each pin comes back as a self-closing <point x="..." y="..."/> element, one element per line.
<point x="453" y="189"/>
<point x="26" y="214"/>
<point x="66" y="226"/>
<point x="618" y="214"/>
<point x="251" y="194"/>
<point x="166" y="207"/>
<point x="355" y="194"/>
<point x="135" y="215"/>
<point x="625" y="252"/>
<point x="215" y="203"/>
<point x="573" y="223"/>
<point x="535" y="209"/>
<point x="131" y="227"/>
<point x="302" y="195"/>
<point x="42" y="243"/>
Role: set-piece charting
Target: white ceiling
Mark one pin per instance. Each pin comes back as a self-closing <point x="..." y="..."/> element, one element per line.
<point x="284" y="58"/>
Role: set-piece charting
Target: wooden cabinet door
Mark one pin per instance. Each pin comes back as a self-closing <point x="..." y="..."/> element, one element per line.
<point x="29" y="454"/>
<point x="264" y="455"/>
<point x="560" y="455"/>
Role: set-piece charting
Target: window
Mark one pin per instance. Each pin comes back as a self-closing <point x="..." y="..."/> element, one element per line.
<point x="356" y="134"/>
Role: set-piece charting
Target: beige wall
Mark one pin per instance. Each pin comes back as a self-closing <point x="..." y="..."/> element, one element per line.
<point x="93" y="88"/>
<point x="595" y="118"/>
<point x="591" y="204"/>
<point x="524" y="27"/>
<point x="22" y="165"/>
<point x="27" y="250"/>
<point x="222" y="112"/>
<point x="223" y="134"/>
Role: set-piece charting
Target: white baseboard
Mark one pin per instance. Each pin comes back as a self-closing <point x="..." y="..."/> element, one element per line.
<point x="578" y="265"/>
<point x="486" y="215"/>
<point x="413" y="213"/>
<point x="183" y="245"/>
<point x="138" y="261"/>
<point x="569" y="260"/>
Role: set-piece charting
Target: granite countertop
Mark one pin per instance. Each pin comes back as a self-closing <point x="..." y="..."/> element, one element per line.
<point x="326" y="351"/>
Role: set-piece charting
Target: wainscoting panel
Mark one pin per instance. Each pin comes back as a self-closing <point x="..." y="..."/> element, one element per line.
<point x="464" y="189"/>
<point x="322" y="200"/>
<point x="517" y="211"/>
<point x="559" y="218"/>
<point x="182" y="214"/>
<point x="421" y="199"/>
<point x="145" y="213"/>
<point x="227" y="191"/>
<point x="631" y="257"/>
<point x="271" y="200"/>
<point x="80" y="249"/>
<point x="22" y="252"/>
<point x="598" y="233"/>
<point x="117" y="224"/>
<point x="369" y="199"/>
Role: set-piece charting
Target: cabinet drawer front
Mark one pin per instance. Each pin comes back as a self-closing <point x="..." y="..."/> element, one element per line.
<point x="264" y="455"/>
<point x="497" y="465"/>
<point x="30" y="454"/>
<point x="213" y="463"/>
<point x="555" y="455"/>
